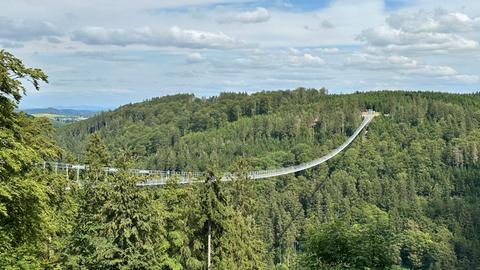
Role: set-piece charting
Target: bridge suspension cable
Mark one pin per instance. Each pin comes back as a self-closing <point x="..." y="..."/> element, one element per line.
<point x="159" y="178"/>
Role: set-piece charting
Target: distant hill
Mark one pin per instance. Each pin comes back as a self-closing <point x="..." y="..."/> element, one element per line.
<point x="65" y="112"/>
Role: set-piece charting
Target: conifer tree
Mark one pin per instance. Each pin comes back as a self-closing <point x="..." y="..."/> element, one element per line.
<point x="132" y="230"/>
<point x="241" y="245"/>
<point x="236" y="241"/>
<point x="214" y="214"/>
<point x="92" y="194"/>
<point x="181" y="212"/>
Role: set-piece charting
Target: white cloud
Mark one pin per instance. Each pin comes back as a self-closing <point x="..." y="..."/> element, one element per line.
<point x="298" y="58"/>
<point x="439" y="21"/>
<point x="294" y="51"/>
<point x="26" y="30"/>
<point x="328" y="50"/>
<point x="467" y="78"/>
<point x="442" y="47"/>
<point x="277" y="60"/>
<point x="306" y="60"/>
<point x="399" y="64"/>
<point x="434" y="32"/>
<point x="391" y="39"/>
<point x="405" y="66"/>
<point x="259" y="15"/>
<point x="173" y="37"/>
<point x="194" y="58"/>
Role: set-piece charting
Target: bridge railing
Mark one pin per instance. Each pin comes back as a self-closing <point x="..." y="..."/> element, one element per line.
<point x="158" y="177"/>
<point x="300" y="167"/>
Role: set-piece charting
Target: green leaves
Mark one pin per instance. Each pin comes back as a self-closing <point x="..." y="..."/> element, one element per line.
<point x="30" y="231"/>
<point x="12" y="71"/>
<point x="405" y="193"/>
<point x="12" y="75"/>
<point x="117" y="225"/>
<point x="368" y="244"/>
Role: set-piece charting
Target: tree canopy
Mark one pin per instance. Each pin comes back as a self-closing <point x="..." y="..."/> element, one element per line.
<point x="404" y="195"/>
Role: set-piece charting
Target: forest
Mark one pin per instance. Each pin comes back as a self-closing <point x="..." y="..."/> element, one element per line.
<point x="404" y="195"/>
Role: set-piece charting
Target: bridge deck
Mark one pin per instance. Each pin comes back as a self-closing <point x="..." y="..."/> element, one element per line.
<point x="158" y="178"/>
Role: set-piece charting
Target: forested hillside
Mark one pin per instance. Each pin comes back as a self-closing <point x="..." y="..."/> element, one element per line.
<point x="405" y="194"/>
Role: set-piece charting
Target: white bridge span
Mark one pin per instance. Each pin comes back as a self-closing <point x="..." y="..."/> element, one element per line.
<point x="158" y="178"/>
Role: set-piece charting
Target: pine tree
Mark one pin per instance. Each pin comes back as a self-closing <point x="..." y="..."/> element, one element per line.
<point x="97" y="158"/>
<point x="237" y="240"/>
<point x="214" y="214"/>
<point x="132" y="230"/>
<point x="92" y="195"/>
<point x="242" y="245"/>
<point x="181" y="212"/>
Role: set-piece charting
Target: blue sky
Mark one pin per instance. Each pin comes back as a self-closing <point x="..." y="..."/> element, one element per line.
<point x="111" y="52"/>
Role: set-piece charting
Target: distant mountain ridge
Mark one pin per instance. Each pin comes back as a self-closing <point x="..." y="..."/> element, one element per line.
<point x="68" y="112"/>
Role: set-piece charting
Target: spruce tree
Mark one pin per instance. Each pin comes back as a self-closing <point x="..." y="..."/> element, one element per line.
<point x="92" y="195"/>
<point x="181" y="213"/>
<point x="132" y="230"/>
<point x="213" y="218"/>
<point x="241" y="246"/>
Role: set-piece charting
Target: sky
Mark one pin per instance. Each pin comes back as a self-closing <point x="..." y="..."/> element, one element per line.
<point x="104" y="53"/>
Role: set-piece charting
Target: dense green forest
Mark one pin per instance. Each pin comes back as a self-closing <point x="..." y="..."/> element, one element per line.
<point x="404" y="195"/>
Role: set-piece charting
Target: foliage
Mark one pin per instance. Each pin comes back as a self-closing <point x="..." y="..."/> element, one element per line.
<point x="367" y="242"/>
<point x="116" y="226"/>
<point x="405" y="194"/>
<point x="417" y="163"/>
<point x="30" y="201"/>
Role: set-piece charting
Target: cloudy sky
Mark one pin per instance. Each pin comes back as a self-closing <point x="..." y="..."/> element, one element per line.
<point x="110" y="52"/>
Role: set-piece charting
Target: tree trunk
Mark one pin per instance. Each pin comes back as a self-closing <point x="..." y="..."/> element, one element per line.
<point x="209" y="240"/>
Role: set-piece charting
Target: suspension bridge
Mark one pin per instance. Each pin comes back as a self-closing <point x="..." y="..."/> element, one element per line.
<point x="159" y="178"/>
